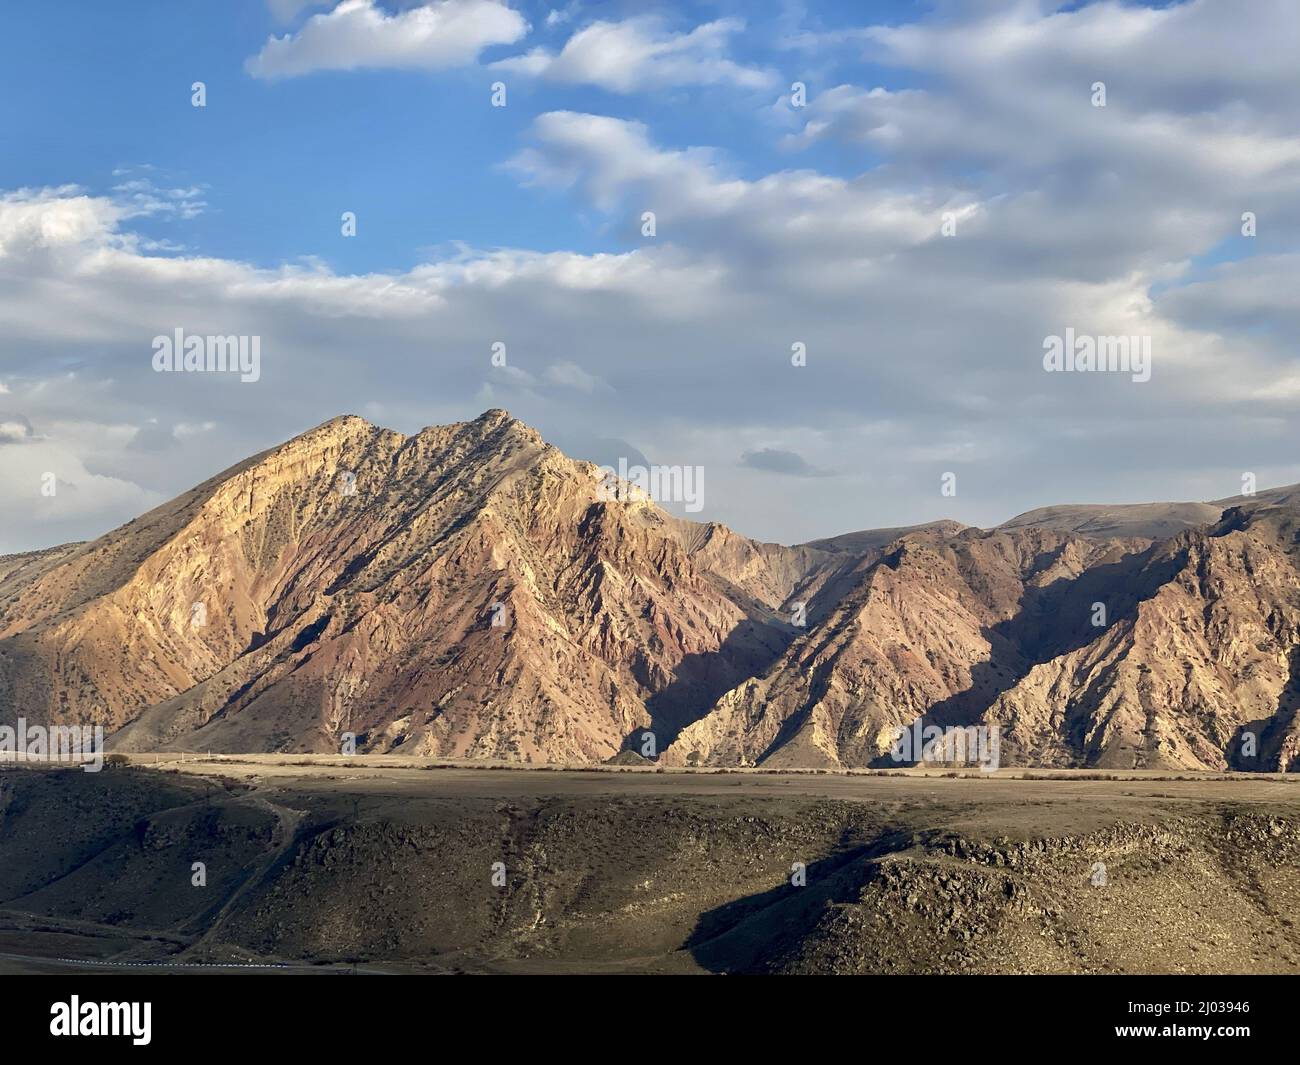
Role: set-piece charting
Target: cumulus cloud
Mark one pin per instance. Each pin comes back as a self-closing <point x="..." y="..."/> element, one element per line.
<point x="14" y="430"/>
<point x="571" y="375"/>
<point x="359" y="34"/>
<point x="34" y="220"/>
<point x="52" y="493"/>
<point x="923" y="350"/>
<point x="639" y="54"/>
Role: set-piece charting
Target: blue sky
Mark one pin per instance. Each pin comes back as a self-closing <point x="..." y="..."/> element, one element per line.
<point x="413" y="152"/>
<point x="125" y="213"/>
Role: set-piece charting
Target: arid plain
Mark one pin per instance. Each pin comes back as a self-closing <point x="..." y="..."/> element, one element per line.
<point x="450" y="706"/>
<point x="385" y="864"/>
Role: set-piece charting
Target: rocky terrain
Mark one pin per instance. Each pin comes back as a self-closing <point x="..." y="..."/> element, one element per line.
<point x="470" y="591"/>
<point x="444" y="870"/>
<point x="461" y="592"/>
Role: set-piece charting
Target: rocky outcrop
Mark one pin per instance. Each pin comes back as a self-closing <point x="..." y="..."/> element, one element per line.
<point x="1203" y="674"/>
<point x="469" y="591"/>
<point x="935" y="629"/>
<point x="465" y="592"/>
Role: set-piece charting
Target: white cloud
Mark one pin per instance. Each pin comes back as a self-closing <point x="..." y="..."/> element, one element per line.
<point x="557" y="16"/>
<point x="923" y="351"/>
<point x="48" y="219"/>
<point x="182" y="430"/>
<point x="82" y="500"/>
<point x="571" y="375"/>
<point x="359" y="34"/>
<point x="639" y="54"/>
<point x="142" y="197"/>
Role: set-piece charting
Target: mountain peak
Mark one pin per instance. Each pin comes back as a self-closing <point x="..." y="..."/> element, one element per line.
<point x="345" y="433"/>
<point x="340" y="427"/>
<point x="466" y="591"/>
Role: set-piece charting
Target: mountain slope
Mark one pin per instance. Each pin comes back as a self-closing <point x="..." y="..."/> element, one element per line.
<point x="1204" y="674"/>
<point x="1155" y="521"/>
<point x="469" y="591"/>
<point x="348" y="582"/>
<point x="934" y="629"/>
<point x="1083" y="650"/>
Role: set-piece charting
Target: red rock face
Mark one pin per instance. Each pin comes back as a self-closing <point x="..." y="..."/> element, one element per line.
<point x="462" y="592"/>
<point x="1193" y="661"/>
<point x="469" y="592"/>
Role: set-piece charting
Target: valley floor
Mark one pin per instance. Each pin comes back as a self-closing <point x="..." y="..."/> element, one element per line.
<point x="385" y="865"/>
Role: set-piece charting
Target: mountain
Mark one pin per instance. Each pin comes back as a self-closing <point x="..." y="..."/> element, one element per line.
<point x="349" y="581"/>
<point x="936" y="628"/>
<point x="1152" y="520"/>
<point x="468" y="591"/>
<point x="1085" y="650"/>
<point x="866" y="540"/>
<point x="1208" y="655"/>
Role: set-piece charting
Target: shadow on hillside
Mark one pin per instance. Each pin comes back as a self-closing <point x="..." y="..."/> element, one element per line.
<point x="702" y="679"/>
<point x="743" y="935"/>
<point x="1053" y="620"/>
<point x="1268" y="732"/>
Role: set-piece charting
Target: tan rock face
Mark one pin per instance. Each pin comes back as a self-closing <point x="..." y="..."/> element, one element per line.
<point x="467" y="591"/>
<point x="1203" y="674"/>
<point x="1102" y="652"/>
<point x="464" y="591"/>
<point x="934" y="629"/>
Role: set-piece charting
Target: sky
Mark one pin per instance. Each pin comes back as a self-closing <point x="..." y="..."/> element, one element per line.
<point x="915" y="196"/>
